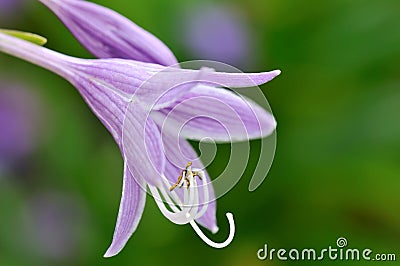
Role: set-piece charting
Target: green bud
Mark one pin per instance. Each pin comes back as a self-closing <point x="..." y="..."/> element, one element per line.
<point x="27" y="36"/>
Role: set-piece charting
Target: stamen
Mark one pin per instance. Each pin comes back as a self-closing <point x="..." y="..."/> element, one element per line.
<point x="186" y="178"/>
<point x="183" y="174"/>
<point x="200" y="173"/>
<point x="172" y="193"/>
<point x="188" y="210"/>
<point x="177" y="182"/>
<point x="178" y="216"/>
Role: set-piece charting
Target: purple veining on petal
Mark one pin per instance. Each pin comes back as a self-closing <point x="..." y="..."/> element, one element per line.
<point x="107" y="34"/>
<point x="206" y="112"/>
<point x="130" y="212"/>
<point x="142" y="145"/>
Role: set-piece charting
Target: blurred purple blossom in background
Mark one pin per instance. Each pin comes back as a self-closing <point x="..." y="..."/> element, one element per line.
<point x="54" y="224"/>
<point x="20" y="120"/>
<point x="9" y="5"/>
<point x="9" y="9"/>
<point x="216" y="32"/>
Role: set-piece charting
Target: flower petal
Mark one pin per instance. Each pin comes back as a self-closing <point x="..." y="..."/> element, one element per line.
<point x="208" y="76"/>
<point x="106" y="104"/>
<point x="168" y="84"/>
<point x="107" y="34"/>
<point x="130" y="211"/>
<point x="178" y="153"/>
<point x="142" y="147"/>
<point x="240" y="80"/>
<point x="206" y="112"/>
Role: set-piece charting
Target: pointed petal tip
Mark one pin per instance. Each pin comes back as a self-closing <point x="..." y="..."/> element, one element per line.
<point x="110" y="253"/>
<point x="214" y="229"/>
<point x="264" y="77"/>
<point x="267" y="76"/>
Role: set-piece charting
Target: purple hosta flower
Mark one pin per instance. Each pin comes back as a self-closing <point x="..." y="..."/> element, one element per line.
<point x="108" y="34"/>
<point x="20" y="121"/>
<point x="126" y="94"/>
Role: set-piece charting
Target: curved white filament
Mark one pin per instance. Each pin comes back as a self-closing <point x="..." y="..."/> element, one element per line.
<point x="205" y="193"/>
<point x="175" y="217"/>
<point x="175" y="196"/>
<point x="189" y="207"/>
<point x="212" y="243"/>
<point x="195" y="193"/>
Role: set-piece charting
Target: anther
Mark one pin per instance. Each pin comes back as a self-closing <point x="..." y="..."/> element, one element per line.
<point x="184" y="173"/>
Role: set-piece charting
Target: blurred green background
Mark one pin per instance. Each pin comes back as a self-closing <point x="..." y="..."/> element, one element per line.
<point x="337" y="166"/>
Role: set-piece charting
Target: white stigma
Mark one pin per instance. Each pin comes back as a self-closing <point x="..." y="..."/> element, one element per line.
<point x="187" y="211"/>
